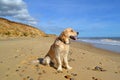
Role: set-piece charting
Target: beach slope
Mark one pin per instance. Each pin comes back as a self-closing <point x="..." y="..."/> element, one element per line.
<point x="18" y="61"/>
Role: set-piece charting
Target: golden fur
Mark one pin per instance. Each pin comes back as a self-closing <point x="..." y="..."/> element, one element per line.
<point x="59" y="50"/>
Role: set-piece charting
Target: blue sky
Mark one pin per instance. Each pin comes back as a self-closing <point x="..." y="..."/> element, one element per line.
<point x="92" y="18"/>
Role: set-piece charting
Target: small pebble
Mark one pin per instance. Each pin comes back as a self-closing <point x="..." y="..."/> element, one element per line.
<point x="37" y="65"/>
<point x="72" y="79"/>
<point x="100" y="63"/>
<point x="19" y="67"/>
<point x="16" y="56"/>
<point x="67" y="71"/>
<point x="71" y="60"/>
<point x="7" y="75"/>
<point x="24" y="79"/>
<point x="28" y="76"/>
<point x="8" y="68"/>
<point x="23" y="70"/>
<point x="55" y="72"/>
<point x="44" y="71"/>
<point x="73" y="74"/>
<point x="17" y="70"/>
<point x="116" y="72"/>
<point x="93" y="77"/>
<point x="67" y="76"/>
<point x="97" y="68"/>
<point x="88" y="68"/>
<point x="83" y="53"/>
<point x="1" y="61"/>
<point x="31" y="79"/>
<point x="39" y="73"/>
<point x="59" y="72"/>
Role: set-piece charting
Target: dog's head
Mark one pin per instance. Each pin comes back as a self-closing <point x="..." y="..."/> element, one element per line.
<point x="67" y="34"/>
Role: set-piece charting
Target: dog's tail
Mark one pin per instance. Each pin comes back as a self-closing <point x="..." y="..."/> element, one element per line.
<point x="46" y="60"/>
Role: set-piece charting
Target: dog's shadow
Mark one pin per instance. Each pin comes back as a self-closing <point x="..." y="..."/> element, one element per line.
<point x="41" y="62"/>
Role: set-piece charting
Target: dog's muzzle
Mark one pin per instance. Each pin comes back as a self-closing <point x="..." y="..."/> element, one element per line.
<point x="74" y="37"/>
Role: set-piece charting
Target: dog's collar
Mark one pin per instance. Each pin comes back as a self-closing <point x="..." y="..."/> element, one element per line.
<point x="63" y="41"/>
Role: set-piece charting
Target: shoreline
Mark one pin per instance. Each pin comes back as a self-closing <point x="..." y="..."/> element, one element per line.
<point x="109" y="44"/>
<point x="98" y="48"/>
<point x="93" y="49"/>
<point x="113" y="48"/>
<point x="18" y="61"/>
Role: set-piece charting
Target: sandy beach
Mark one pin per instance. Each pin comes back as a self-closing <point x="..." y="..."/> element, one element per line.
<point x="18" y="61"/>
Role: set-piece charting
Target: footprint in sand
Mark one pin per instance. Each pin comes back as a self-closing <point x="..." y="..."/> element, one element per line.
<point x="94" y="78"/>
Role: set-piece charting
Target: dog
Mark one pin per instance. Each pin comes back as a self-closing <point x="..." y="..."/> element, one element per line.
<point x="58" y="52"/>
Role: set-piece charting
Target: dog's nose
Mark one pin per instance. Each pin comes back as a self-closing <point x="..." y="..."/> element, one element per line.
<point x="77" y="33"/>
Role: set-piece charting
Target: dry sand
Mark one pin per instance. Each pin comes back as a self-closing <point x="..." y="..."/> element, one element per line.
<point x="18" y="61"/>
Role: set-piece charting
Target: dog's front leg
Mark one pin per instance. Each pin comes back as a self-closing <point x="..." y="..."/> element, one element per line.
<point x="66" y="62"/>
<point x="58" y="60"/>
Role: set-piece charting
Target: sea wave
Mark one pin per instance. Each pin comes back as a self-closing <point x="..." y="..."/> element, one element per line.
<point x="102" y="41"/>
<point x="110" y="41"/>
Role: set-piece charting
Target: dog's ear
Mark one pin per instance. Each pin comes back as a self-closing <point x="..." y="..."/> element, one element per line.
<point x="63" y="37"/>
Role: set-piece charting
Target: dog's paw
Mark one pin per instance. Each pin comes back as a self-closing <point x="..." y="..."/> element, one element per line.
<point x="59" y="69"/>
<point x="69" y="68"/>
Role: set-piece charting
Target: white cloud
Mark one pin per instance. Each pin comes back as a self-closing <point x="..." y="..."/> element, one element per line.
<point x="16" y="9"/>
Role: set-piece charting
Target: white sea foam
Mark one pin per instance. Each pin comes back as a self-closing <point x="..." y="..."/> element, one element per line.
<point x="109" y="44"/>
<point x="102" y="41"/>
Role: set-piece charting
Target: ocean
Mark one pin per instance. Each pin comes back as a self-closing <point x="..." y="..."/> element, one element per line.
<point x="111" y="44"/>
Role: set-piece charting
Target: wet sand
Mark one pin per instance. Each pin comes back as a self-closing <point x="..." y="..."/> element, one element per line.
<point x="18" y="61"/>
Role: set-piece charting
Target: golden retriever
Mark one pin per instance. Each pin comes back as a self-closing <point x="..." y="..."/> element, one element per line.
<point x="59" y="50"/>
